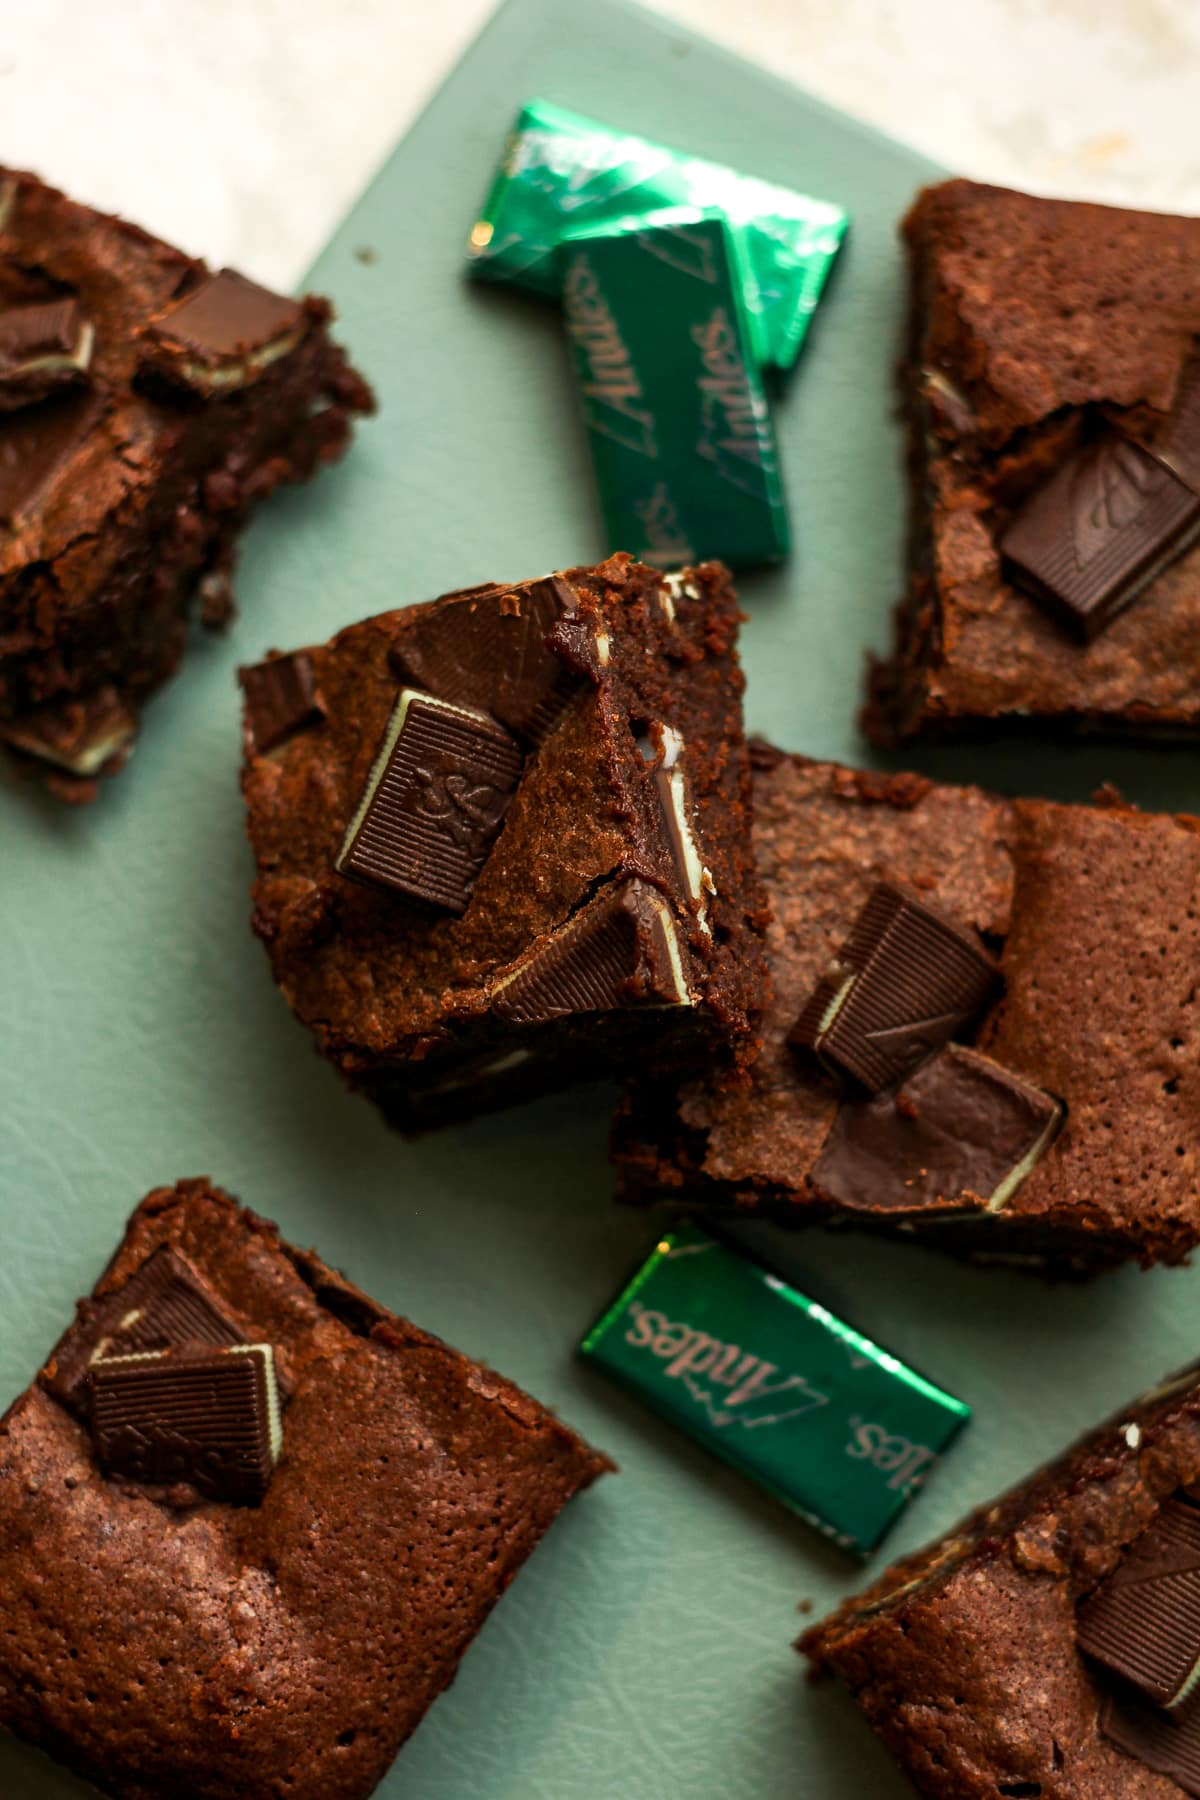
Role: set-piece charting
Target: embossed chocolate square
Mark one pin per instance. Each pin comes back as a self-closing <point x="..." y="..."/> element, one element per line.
<point x="510" y="849"/>
<point x="206" y="1561"/>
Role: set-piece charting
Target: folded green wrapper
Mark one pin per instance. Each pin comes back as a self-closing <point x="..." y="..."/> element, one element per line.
<point x="840" y="1431"/>
<point x="561" y="173"/>
<point x="671" y="392"/>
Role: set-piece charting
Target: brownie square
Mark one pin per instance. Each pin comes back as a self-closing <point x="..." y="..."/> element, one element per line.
<point x="1051" y="390"/>
<point x="968" y="1657"/>
<point x="1093" y="916"/>
<point x="503" y="839"/>
<point x="166" y="1647"/>
<point x="146" y="406"/>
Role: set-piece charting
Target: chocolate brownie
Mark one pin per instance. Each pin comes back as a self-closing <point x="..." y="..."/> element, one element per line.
<point x="1052" y="387"/>
<point x="502" y="839"/>
<point x="169" y="1644"/>
<point x="1016" y="1656"/>
<point x="1047" y="1117"/>
<point x="146" y="405"/>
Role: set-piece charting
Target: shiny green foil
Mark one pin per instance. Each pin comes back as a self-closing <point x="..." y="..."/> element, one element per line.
<point x="672" y="393"/>
<point x="561" y="173"/>
<point x="772" y="1383"/>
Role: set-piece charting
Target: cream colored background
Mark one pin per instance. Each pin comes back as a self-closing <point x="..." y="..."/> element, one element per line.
<point x="244" y="128"/>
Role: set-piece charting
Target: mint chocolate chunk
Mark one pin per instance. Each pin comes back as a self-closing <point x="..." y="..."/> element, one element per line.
<point x="1143" y="1624"/>
<point x="1166" y="1742"/>
<point x="166" y="1303"/>
<point x="42" y="348"/>
<point x="223" y="334"/>
<point x="621" y="949"/>
<point x="204" y="1419"/>
<point x="904" y="982"/>
<point x="434" y="802"/>
<point x="1099" y="531"/>
<point x="485" y="647"/>
<point x="962" y="1127"/>
<point x="280" y="698"/>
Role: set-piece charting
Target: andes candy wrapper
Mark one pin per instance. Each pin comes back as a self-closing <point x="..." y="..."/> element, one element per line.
<point x="833" y="1426"/>
<point x="561" y="172"/>
<point x="671" y="395"/>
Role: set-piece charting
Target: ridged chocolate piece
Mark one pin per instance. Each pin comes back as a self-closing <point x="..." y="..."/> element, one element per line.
<point x="1098" y="532"/>
<point x="621" y="949"/>
<point x="961" y="1125"/>
<point x="906" y="979"/>
<point x="1144" y="1623"/>
<point x="434" y="802"/>
<point x="224" y="333"/>
<point x="207" y="1420"/>
<point x="1179" y="444"/>
<point x="280" y="697"/>
<point x="35" y="441"/>
<point x="1166" y="1742"/>
<point x="165" y="1303"/>
<point x="42" y="348"/>
<point x="485" y="647"/>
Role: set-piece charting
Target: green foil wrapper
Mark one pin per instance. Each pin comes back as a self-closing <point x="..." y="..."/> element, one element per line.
<point x="561" y="173"/>
<point x="672" y="393"/>
<point x="772" y="1383"/>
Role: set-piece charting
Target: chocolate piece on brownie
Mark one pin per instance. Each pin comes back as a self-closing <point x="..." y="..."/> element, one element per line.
<point x="43" y="348"/>
<point x="512" y="845"/>
<point x="1143" y="1624"/>
<point x="905" y="980"/>
<point x="146" y="406"/>
<point x="1052" y="384"/>
<point x="1060" y="1129"/>
<point x="207" y="1419"/>
<point x="974" y="1659"/>
<point x="327" y="1608"/>
<point x="960" y="1129"/>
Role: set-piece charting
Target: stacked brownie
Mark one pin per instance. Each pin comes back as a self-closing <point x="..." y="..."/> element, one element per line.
<point x="146" y="406"/>
<point x="502" y="839"/>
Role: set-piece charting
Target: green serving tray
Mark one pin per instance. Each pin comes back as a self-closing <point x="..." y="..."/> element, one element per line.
<point x="645" y="1652"/>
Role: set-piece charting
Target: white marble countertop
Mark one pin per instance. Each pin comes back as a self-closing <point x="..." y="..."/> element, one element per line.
<point x="242" y="129"/>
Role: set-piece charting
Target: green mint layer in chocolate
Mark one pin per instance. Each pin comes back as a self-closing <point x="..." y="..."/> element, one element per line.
<point x="561" y="172"/>
<point x="836" y="1428"/>
<point x="957" y="1138"/>
<point x="671" y="394"/>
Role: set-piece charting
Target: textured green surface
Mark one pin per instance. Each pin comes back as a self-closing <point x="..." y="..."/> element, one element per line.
<point x="644" y="1654"/>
